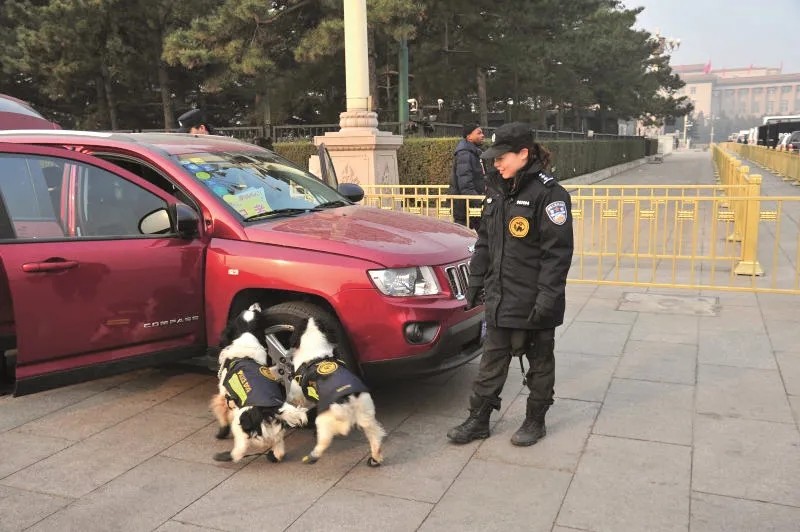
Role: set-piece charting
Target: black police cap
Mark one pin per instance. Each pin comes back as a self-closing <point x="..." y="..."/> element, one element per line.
<point x="509" y="137"/>
<point x="190" y="119"/>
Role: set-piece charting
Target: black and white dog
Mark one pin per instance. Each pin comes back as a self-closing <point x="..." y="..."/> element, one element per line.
<point x="251" y="402"/>
<point x="342" y="399"/>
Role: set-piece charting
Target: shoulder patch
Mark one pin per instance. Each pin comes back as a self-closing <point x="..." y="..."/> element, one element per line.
<point x="557" y="212"/>
<point x="547" y="180"/>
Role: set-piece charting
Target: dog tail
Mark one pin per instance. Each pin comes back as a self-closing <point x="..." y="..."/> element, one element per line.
<point x="294" y="416"/>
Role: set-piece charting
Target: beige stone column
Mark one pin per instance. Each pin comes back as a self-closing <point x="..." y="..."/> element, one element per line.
<point x="361" y="153"/>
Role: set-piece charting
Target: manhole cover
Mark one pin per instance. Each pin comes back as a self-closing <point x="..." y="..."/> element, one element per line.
<point x="665" y="304"/>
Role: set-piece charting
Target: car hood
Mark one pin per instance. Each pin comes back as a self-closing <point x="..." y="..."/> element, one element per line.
<point x="388" y="238"/>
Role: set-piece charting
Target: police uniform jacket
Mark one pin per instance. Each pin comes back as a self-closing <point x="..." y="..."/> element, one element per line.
<point x="328" y="381"/>
<point x="248" y="383"/>
<point x="524" y="250"/>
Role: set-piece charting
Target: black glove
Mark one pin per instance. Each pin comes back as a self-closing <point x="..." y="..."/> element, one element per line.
<point x="474" y="295"/>
<point x="540" y="314"/>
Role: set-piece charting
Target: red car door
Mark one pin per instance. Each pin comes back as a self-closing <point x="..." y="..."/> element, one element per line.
<point x="110" y="284"/>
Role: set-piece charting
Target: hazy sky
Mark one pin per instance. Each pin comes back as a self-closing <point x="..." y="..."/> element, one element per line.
<point x="730" y="33"/>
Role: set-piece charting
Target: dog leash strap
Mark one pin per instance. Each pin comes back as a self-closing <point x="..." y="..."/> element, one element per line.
<point x="522" y="369"/>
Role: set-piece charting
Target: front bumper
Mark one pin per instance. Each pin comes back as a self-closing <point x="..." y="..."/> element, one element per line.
<point x="457" y="346"/>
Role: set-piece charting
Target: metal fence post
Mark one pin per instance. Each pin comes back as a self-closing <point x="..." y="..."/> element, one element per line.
<point x="739" y="190"/>
<point x="749" y="264"/>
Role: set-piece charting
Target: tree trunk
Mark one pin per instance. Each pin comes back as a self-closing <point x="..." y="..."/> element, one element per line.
<point x="166" y="96"/>
<point x="484" y="109"/>
<point x="101" y="115"/>
<point x="109" y="93"/>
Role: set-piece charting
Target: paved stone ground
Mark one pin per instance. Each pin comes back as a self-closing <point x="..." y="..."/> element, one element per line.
<point x="674" y="411"/>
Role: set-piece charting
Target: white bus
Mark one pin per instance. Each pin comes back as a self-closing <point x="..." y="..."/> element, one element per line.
<point x="779" y="119"/>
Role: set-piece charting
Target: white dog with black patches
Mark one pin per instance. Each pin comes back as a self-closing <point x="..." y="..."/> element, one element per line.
<point x="342" y="399"/>
<point x="251" y="402"/>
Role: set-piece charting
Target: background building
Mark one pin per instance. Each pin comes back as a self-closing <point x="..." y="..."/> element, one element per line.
<point x="733" y="99"/>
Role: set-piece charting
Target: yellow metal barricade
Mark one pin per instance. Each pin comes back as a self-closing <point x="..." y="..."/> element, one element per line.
<point x="725" y="236"/>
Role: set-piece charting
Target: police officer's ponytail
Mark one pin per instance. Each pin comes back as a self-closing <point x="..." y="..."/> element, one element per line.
<point x="538" y="153"/>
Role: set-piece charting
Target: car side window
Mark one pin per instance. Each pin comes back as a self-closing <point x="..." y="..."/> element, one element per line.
<point x="110" y="206"/>
<point x="31" y="190"/>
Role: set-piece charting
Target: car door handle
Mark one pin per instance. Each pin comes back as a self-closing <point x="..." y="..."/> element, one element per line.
<point x="49" y="266"/>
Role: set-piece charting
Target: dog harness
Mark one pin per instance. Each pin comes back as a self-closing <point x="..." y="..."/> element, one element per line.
<point x="328" y="381"/>
<point x="248" y="383"/>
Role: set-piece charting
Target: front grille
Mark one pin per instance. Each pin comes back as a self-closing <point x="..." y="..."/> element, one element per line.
<point x="458" y="278"/>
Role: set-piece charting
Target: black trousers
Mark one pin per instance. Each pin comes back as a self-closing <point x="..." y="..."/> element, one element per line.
<point x="500" y="346"/>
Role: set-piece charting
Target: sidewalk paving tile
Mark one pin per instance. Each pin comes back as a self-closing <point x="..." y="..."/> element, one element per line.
<point x="658" y="362"/>
<point x="490" y="496"/>
<point x="141" y="499"/>
<point x="779" y="307"/>
<point x="742" y="393"/>
<point x="108" y="408"/>
<point x="19" y="450"/>
<point x="177" y="526"/>
<point x="624" y="484"/>
<point x="16" y="411"/>
<point x="568" y="427"/>
<point x="743" y="349"/>
<point x="736" y="299"/>
<point x="605" y="311"/>
<point x="712" y="513"/>
<point x="421" y="463"/>
<point x="588" y="338"/>
<point x="784" y="335"/>
<point x="653" y="411"/>
<point x="252" y="498"/>
<point x="583" y="377"/>
<point x="662" y="328"/>
<point x="340" y="509"/>
<point x="88" y="464"/>
<point x="21" y="509"/>
<point x="736" y="319"/>
<point x="747" y="459"/>
<point x="789" y="364"/>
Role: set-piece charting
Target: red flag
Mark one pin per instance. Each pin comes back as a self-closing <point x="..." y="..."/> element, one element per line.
<point x="707" y="68"/>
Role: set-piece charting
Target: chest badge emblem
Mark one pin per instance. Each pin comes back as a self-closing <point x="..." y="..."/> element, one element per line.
<point x="327" y="367"/>
<point x="519" y="226"/>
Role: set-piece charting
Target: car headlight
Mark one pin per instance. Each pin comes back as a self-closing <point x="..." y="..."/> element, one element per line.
<point x="399" y="282"/>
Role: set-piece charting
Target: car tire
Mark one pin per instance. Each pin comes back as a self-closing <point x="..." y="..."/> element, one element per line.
<point x="292" y="313"/>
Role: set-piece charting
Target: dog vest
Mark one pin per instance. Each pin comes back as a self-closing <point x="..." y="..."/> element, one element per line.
<point x="327" y="382"/>
<point x="249" y="383"/>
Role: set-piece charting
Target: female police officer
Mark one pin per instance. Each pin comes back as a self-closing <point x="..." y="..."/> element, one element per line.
<point x="521" y="261"/>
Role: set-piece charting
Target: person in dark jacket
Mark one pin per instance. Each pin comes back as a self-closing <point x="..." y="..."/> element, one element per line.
<point x="521" y="261"/>
<point x="467" y="178"/>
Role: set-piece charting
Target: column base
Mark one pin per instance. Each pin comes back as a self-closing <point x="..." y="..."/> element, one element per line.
<point x="748" y="267"/>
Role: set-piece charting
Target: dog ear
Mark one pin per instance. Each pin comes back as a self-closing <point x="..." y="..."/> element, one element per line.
<point x="255" y="307"/>
<point x="297" y="334"/>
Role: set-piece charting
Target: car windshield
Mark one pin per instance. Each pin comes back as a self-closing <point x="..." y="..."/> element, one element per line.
<point x="258" y="185"/>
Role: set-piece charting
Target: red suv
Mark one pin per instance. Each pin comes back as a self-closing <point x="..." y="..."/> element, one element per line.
<point x="125" y="250"/>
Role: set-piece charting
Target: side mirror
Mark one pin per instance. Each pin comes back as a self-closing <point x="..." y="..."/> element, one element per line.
<point x="351" y="191"/>
<point x="186" y="220"/>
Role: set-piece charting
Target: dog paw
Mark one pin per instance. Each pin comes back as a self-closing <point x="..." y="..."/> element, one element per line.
<point x="372" y="462"/>
<point x="272" y="458"/>
<point x="224" y="456"/>
<point x="223" y="432"/>
<point x="309" y="459"/>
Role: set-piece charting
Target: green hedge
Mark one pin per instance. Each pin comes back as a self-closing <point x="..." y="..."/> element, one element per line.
<point x="297" y="152"/>
<point x="429" y="161"/>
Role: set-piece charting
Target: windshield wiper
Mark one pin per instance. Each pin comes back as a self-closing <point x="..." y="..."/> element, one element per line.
<point x="331" y="204"/>
<point x="278" y="212"/>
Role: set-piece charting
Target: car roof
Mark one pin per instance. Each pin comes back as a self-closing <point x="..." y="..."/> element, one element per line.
<point x="168" y="143"/>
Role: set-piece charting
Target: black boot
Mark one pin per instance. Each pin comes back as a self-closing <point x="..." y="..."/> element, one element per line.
<point x="477" y="424"/>
<point x="532" y="429"/>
